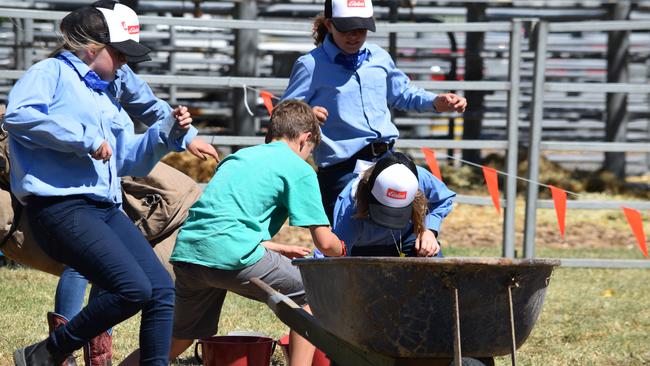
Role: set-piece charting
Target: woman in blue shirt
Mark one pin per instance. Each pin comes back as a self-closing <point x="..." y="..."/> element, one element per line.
<point x="70" y="140"/>
<point x="392" y="208"/>
<point x="352" y="84"/>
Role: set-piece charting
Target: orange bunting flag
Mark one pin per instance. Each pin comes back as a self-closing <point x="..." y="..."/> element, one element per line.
<point x="267" y="98"/>
<point x="634" y="219"/>
<point x="492" y="186"/>
<point x="559" y="200"/>
<point x="430" y="157"/>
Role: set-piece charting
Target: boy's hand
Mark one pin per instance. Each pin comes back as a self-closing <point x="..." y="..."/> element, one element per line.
<point x="289" y="251"/>
<point x="450" y="102"/>
<point x="294" y="251"/>
<point x="183" y="118"/>
<point x="426" y="244"/>
<point x="200" y="149"/>
<point x="104" y="152"/>
<point x="321" y="114"/>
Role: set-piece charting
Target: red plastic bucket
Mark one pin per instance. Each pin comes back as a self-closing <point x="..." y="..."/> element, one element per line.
<point x="235" y="351"/>
<point x="319" y="357"/>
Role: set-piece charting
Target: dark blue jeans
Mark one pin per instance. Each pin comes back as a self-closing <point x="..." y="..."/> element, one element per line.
<point x="99" y="241"/>
<point x="70" y="293"/>
<point x="331" y="181"/>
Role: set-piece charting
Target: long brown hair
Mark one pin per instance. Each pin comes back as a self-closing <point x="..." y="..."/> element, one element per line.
<point x="319" y="30"/>
<point x="362" y="200"/>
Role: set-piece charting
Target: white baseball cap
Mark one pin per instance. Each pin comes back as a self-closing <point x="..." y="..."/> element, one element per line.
<point x="349" y="15"/>
<point x="110" y="23"/>
<point x="394" y="185"/>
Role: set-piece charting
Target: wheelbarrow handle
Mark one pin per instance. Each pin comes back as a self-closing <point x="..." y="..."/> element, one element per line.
<point x="300" y="321"/>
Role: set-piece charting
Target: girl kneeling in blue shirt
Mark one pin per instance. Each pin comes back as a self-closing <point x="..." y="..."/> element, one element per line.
<point x="392" y="208"/>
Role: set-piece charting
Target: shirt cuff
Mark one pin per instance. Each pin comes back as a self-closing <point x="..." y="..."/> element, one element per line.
<point x="97" y="142"/>
<point x="172" y="134"/>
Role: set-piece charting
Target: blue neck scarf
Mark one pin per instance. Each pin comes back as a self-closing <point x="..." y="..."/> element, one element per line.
<point x="353" y="61"/>
<point x="91" y="79"/>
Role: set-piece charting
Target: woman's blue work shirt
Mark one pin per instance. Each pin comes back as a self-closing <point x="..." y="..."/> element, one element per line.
<point x="55" y="121"/>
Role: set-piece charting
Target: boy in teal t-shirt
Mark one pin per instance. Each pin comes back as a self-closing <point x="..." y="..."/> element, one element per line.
<point x="225" y="240"/>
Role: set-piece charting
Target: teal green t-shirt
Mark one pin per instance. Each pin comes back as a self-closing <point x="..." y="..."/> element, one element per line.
<point x="251" y="195"/>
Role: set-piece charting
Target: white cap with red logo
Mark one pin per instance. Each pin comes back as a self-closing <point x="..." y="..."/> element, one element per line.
<point x="394" y="190"/>
<point x="349" y="15"/>
<point x="123" y="30"/>
<point x="395" y="186"/>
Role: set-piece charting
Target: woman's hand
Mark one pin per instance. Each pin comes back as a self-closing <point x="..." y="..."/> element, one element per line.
<point x="183" y="117"/>
<point x="321" y="114"/>
<point x="104" y="152"/>
<point x="450" y="102"/>
<point x="426" y="244"/>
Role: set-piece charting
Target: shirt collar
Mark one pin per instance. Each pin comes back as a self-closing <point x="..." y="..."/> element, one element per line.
<point x="77" y="64"/>
<point x="331" y="49"/>
<point x="89" y="77"/>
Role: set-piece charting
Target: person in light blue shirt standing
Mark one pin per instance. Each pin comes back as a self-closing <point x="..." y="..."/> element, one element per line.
<point x="352" y="84"/>
<point x="70" y="141"/>
<point x="392" y="208"/>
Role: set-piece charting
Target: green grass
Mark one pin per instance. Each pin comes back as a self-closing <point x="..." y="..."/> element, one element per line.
<point x="590" y="316"/>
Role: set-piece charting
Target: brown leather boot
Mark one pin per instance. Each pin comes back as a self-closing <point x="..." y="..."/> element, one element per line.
<point x="99" y="351"/>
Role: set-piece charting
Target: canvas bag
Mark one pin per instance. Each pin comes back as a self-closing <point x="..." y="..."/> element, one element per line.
<point x="159" y="203"/>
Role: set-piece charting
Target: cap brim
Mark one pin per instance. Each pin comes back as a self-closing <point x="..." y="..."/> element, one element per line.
<point x="353" y="23"/>
<point x="390" y="217"/>
<point x="134" y="51"/>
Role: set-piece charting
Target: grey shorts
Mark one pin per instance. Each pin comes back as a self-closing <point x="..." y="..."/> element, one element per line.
<point x="200" y="291"/>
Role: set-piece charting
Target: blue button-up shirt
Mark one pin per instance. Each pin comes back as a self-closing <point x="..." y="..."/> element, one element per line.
<point x="139" y="101"/>
<point x="364" y="232"/>
<point x="55" y="121"/>
<point x="357" y="100"/>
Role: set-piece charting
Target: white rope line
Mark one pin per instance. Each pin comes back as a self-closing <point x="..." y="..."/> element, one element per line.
<point x="508" y="175"/>
<point x="246" y="102"/>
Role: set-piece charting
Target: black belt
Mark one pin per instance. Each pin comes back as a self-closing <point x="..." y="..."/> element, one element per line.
<point x="373" y="150"/>
<point x="369" y="152"/>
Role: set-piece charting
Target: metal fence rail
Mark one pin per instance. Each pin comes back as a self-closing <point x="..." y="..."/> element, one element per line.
<point x="540" y="86"/>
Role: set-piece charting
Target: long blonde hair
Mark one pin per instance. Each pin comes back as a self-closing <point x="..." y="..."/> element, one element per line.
<point x="362" y="200"/>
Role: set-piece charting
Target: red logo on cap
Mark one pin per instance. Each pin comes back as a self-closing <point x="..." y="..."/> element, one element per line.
<point x="398" y="195"/>
<point x="356" y="3"/>
<point x="133" y="29"/>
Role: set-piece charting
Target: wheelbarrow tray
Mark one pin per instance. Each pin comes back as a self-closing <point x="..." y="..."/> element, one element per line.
<point x="404" y="307"/>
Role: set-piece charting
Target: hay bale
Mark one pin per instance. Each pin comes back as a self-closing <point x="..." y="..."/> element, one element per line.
<point x="199" y="170"/>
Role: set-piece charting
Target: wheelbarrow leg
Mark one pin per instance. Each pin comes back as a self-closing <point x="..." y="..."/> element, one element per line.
<point x="458" y="358"/>
<point x="513" y="350"/>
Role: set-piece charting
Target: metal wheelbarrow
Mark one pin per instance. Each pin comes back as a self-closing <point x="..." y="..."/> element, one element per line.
<point x="416" y="311"/>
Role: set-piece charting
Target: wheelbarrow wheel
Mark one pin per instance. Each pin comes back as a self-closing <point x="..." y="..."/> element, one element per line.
<point x="468" y="361"/>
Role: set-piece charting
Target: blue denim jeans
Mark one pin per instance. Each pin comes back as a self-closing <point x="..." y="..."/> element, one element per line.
<point x="99" y="241"/>
<point x="70" y="292"/>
